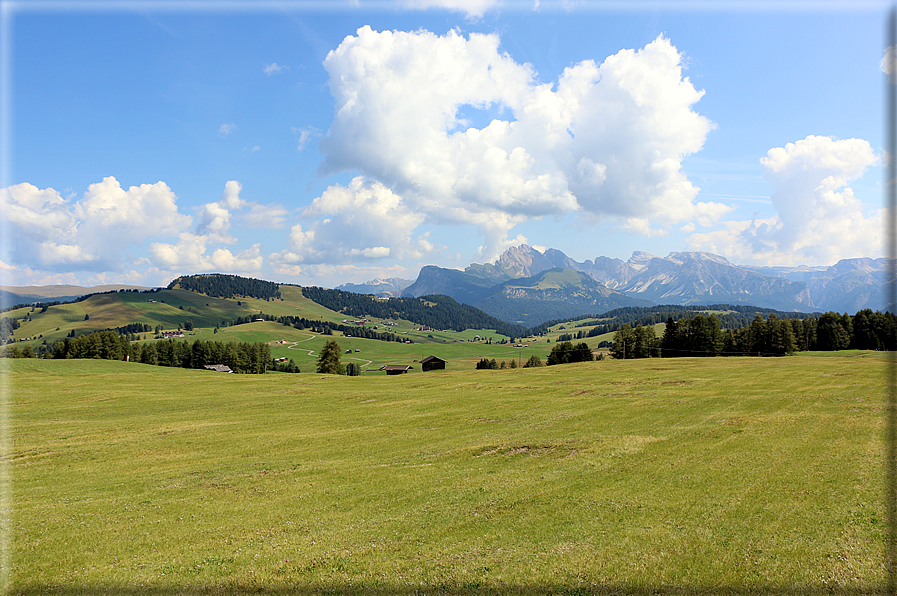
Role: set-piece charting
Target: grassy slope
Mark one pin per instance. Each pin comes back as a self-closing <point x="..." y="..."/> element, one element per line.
<point x="303" y="347"/>
<point x="169" y="307"/>
<point x="117" y="310"/>
<point x="685" y="476"/>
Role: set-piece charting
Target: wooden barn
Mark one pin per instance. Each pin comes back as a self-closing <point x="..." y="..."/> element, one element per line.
<point x="395" y="369"/>
<point x="432" y="363"/>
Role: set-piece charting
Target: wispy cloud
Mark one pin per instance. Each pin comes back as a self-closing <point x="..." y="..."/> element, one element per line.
<point x="305" y="135"/>
<point x="226" y="129"/>
<point x="274" y="67"/>
<point x="473" y="8"/>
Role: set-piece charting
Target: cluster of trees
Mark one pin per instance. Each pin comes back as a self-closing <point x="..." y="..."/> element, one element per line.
<point x="577" y="335"/>
<point x="771" y="336"/>
<point x="105" y="345"/>
<point x="703" y="336"/>
<point x="492" y="364"/>
<point x="565" y="353"/>
<point x="133" y="329"/>
<point x="241" y="357"/>
<point x="219" y="285"/>
<point x="640" y="342"/>
<point x="487" y="364"/>
<point x="438" y="312"/>
<point x="13" y="351"/>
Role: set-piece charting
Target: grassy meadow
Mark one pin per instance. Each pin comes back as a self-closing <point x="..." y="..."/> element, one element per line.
<point x="679" y="476"/>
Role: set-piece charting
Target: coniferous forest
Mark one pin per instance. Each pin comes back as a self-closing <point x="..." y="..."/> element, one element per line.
<point x="241" y="357"/>
<point x="227" y="286"/>
<point x="704" y="335"/>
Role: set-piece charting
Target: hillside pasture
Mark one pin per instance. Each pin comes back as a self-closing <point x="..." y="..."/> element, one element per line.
<point x="682" y="476"/>
<point x="303" y="346"/>
<point x="64" y="316"/>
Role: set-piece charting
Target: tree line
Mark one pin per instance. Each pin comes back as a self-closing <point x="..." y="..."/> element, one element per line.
<point x="771" y="336"/>
<point x="241" y="357"/>
<point x="492" y="364"/>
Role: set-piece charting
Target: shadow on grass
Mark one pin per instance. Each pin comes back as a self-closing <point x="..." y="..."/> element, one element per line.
<point x="471" y="590"/>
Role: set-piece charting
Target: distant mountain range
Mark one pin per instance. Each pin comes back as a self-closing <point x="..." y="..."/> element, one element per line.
<point x="528" y="286"/>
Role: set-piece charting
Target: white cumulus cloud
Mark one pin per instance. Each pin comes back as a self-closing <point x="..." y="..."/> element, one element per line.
<point x="92" y="233"/>
<point x="190" y="253"/>
<point x="100" y="231"/>
<point x="213" y="219"/>
<point x="360" y="222"/>
<point x="608" y="141"/>
<point x="818" y="218"/>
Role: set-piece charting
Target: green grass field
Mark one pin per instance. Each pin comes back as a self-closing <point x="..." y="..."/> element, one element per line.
<point x="681" y="476"/>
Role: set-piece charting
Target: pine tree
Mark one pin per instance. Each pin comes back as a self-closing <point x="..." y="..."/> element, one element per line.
<point x="624" y="343"/>
<point x="329" y="360"/>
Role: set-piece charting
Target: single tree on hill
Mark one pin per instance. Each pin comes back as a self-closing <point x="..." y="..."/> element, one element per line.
<point x="329" y="360"/>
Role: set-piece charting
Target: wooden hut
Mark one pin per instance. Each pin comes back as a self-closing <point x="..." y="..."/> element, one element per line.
<point x="432" y="363"/>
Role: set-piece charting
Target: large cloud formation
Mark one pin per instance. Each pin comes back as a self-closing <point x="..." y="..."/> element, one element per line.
<point x="819" y="219"/>
<point x="97" y="232"/>
<point x="607" y="142"/>
<point x="90" y="234"/>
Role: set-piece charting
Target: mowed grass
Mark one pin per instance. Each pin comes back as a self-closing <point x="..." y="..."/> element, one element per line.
<point x="680" y="476"/>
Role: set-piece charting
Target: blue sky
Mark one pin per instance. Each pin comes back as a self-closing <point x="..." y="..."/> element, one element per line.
<point x="319" y="143"/>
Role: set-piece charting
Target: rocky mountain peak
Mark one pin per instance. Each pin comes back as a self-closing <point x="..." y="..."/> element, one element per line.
<point x="639" y="259"/>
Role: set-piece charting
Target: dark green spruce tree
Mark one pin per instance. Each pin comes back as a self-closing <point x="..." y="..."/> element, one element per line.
<point x="329" y="360"/>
